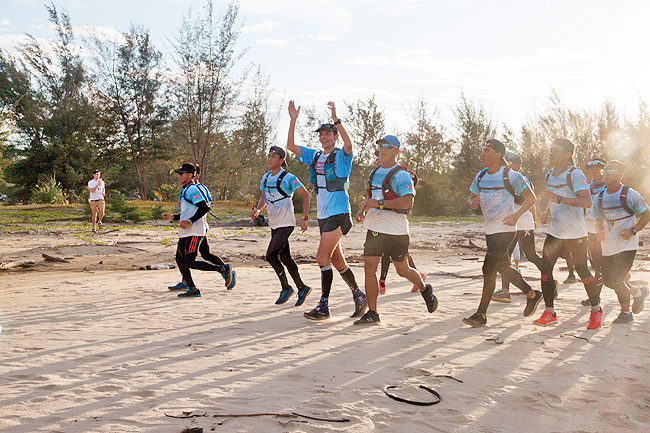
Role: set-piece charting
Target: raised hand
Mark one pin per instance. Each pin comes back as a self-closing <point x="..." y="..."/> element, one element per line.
<point x="293" y="111"/>
<point x="332" y="106"/>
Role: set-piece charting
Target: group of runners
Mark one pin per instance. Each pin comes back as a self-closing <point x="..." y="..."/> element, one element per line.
<point x="595" y="220"/>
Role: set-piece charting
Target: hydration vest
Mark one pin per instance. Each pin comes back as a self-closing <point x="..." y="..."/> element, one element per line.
<point x="387" y="188"/>
<point x="332" y="182"/>
<point x="568" y="183"/>
<point x="519" y="200"/>
<point x="623" y="205"/>
<point x="277" y="186"/>
<point x="203" y="190"/>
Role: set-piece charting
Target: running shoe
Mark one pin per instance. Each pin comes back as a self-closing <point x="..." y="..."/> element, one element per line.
<point x="415" y="288"/>
<point x="318" y="313"/>
<point x="501" y="296"/>
<point x="229" y="277"/>
<point x="595" y="320"/>
<point x="191" y="293"/>
<point x="476" y="320"/>
<point x="179" y="286"/>
<point x="532" y="303"/>
<point x="624" y="318"/>
<point x="100" y="225"/>
<point x="430" y="298"/>
<point x="547" y="318"/>
<point x="302" y="295"/>
<point x="382" y="287"/>
<point x="571" y="279"/>
<point x="285" y="294"/>
<point x="370" y="318"/>
<point x="637" y="305"/>
<point x="360" y="305"/>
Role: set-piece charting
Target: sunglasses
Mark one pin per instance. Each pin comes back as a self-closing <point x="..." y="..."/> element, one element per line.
<point x="610" y="172"/>
<point x="593" y="163"/>
<point x="386" y="146"/>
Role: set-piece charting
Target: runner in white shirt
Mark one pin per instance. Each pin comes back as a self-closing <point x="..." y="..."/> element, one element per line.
<point x="594" y="169"/>
<point x="278" y="187"/>
<point x="494" y="189"/>
<point x="525" y="236"/>
<point x="567" y="192"/>
<point x="391" y="192"/>
<point x="614" y="210"/>
<point x="96" y="198"/>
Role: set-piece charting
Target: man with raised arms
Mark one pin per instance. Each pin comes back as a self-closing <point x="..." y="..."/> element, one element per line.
<point x="391" y="192"/>
<point x="329" y="172"/>
<point x="494" y="189"/>
<point x="567" y="192"/>
<point x="614" y="210"/>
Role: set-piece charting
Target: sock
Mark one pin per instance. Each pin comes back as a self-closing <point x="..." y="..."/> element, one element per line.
<point x="551" y="310"/>
<point x="357" y="293"/>
<point x="326" y="277"/>
<point x="348" y="277"/>
<point x="323" y="303"/>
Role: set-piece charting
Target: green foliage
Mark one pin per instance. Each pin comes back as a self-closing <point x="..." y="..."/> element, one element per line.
<point x="127" y="211"/>
<point x="156" y="212"/>
<point x="49" y="191"/>
<point x="167" y="192"/>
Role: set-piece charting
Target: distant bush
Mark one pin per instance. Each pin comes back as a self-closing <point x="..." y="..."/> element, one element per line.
<point x="156" y="212"/>
<point x="128" y="212"/>
<point x="49" y="191"/>
<point x="166" y="192"/>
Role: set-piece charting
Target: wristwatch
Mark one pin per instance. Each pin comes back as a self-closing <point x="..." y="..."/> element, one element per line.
<point x="634" y="230"/>
<point x="559" y="199"/>
<point x="381" y="203"/>
<point x="338" y="122"/>
<point x="306" y="218"/>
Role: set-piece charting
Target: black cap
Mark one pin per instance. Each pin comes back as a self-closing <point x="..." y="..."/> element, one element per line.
<point x="499" y="147"/>
<point x="564" y="144"/>
<point x="280" y="152"/>
<point x="328" y="127"/>
<point x="186" y="168"/>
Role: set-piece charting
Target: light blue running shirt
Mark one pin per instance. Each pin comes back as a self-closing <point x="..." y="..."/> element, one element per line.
<point x="385" y="221"/>
<point x="329" y="203"/>
<point x="496" y="202"/>
<point x="567" y="222"/>
<point x="617" y="219"/>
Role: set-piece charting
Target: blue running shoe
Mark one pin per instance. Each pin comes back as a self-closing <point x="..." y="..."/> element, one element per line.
<point x="229" y="277"/>
<point x="179" y="286"/>
<point x="285" y="294"/>
<point x="360" y="305"/>
<point x="302" y="295"/>
<point x="191" y="293"/>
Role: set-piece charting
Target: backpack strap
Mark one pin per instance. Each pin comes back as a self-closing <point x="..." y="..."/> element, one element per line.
<point x="277" y="186"/>
<point x="569" y="181"/>
<point x="370" y="178"/>
<point x="519" y="200"/>
<point x="481" y="174"/>
<point x="623" y="206"/>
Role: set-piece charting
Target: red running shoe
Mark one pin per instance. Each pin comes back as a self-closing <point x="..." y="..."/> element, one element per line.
<point x="546" y="319"/>
<point x="595" y="320"/>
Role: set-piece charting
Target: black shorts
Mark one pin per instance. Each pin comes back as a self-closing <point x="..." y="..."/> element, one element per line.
<point x="615" y="268"/>
<point x="190" y="244"/>
<point x="330" y="224"/>
<point x="378" y="244"/>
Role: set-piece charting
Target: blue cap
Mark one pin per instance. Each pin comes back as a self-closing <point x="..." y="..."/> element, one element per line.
<point x="390" y="139"/>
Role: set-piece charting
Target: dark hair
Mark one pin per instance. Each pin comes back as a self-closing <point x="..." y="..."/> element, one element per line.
<point x="197" y="167"/>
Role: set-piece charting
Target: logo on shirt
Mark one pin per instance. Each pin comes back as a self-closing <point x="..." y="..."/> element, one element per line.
<point x="522" y="181"/>
<point x="295" y="181"/>
<point x="582" y="182"/>
<point x="409" y="187"/>
<point x="196" y="196"/>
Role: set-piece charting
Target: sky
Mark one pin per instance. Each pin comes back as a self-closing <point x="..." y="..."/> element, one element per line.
<point x="506" y="55"/>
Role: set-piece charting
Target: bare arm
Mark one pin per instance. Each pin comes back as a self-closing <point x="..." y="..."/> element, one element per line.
<point x="291" y="139"/>
<point x="259" y="207"/>
<point x="306" y="205"/>
<point x="643" y="221"/>
<point x="405" y="202"/>
<point x="474" y="201"/>
<point x="347" y="142"/>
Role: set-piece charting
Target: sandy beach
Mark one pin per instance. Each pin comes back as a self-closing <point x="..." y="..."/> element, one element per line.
<point x="98" y="345"/>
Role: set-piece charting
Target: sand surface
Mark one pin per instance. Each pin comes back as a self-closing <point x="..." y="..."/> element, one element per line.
<point x="97" y="345"/>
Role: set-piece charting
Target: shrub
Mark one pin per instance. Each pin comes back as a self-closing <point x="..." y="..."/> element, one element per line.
<point x="49" y="191"/>
<point x="128" y="212"/>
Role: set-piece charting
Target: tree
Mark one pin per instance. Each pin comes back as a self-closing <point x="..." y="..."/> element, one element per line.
<point x="425" y="149"/>
<point x="205" y="88"/>
<point x="54" y="120"/>
<point x="129" y="78"/>
<point x="474" y="129"/>
<point x="243" y="150"/>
